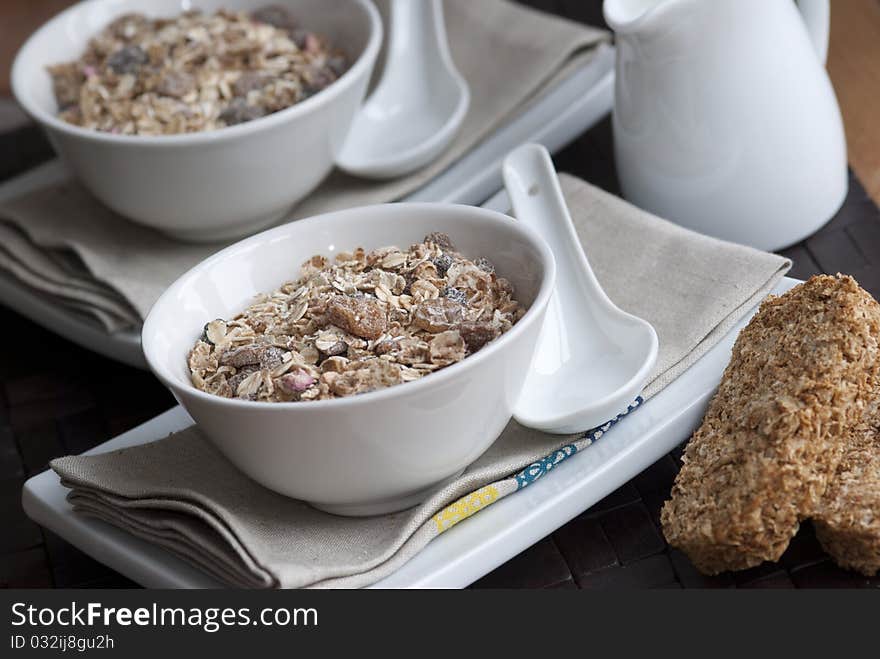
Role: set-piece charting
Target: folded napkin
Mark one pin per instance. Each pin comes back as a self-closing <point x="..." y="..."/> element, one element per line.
<point x="182" y="494"/>
<point x="510" y="55"/>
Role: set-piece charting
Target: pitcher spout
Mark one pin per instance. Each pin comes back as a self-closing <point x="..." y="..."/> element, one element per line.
<point x="625" y="16"/>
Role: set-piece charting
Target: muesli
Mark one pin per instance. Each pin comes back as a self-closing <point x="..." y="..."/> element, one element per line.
<point x="195" y="72"/>
<point x="366" y="321"/>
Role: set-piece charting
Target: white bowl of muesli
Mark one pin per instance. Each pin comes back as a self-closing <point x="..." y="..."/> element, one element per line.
<point x="357" y="360"/>
<point x="205" y="119"/>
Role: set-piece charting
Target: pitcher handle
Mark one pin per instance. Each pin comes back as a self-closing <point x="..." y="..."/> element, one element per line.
<point x="817" y="17"/>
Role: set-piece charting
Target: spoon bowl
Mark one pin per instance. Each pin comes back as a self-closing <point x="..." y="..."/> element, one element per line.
<point x="419" y="104"/>
<point x="592" y="358"/>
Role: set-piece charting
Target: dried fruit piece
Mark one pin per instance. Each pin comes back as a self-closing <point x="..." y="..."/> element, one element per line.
<point x="248" y="82"/>
<point x="455" y="294"/>
<point x="437" y="315"/>
<point x="477" y="334"/>
<point x="264" y="355"/>
<point x="238" y="112"/>
<point x="176" y="84"/>
<point x="442" y="264"/>
<point x="127" y="59"/>
<point x="359" y="316"/>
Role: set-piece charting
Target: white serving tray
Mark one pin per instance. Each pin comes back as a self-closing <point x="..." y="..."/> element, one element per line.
<point x="568" y="110"/>
<point x="467" y="551"/>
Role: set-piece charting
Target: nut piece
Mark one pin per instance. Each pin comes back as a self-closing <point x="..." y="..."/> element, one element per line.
<point x="437" y="315"/>
<point x="359" y="316"/>
<point x="296" y="381"/>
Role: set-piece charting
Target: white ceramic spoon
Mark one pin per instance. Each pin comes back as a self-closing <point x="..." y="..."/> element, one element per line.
<point x="592" y="358"/>
<point x="418" y="105"/>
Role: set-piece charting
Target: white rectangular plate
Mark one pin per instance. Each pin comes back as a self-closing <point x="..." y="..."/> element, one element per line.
<point x="569" y="109"/>
<point x="470" y="549"/>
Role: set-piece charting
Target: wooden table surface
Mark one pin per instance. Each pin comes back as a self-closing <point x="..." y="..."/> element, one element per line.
<point x="57" y="399"/>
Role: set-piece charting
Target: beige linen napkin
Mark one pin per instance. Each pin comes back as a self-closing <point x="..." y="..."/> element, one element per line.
<point x="509" y="55"/>
<point x="180" y="493"/>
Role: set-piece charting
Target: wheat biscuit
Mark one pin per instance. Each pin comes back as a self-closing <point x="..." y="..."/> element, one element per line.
<point x="801" y="374"/>
<point x="847" y="522"/>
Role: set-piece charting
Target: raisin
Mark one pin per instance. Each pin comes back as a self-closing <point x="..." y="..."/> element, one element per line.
<point x="437" y="315"/>
<point x="362" y="317"/>
<point x="442" y="264"/>
<point x="455" y="294"/>
<point x="127" y="59"/>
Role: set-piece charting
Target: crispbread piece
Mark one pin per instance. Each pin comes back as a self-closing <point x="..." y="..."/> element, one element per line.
<point x="847" y="522"/>
<point x="801" y="375"/>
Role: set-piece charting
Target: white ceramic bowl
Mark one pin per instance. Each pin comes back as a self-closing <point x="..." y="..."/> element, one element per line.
<point x="380" y="451"/>
<point x="217" y="184"/>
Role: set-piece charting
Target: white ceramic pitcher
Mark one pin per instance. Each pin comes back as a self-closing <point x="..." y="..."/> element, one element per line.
<point x="725" y="120"/>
